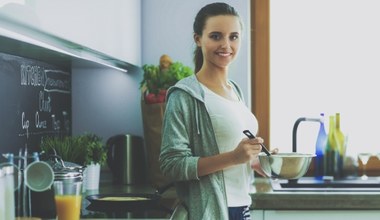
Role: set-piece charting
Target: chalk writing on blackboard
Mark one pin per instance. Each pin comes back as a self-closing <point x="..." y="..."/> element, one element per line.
<point x="50" y="81"/>
<point x="37" y="97"/>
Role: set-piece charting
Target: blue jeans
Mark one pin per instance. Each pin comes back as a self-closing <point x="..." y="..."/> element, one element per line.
<point x="239" y="213"/>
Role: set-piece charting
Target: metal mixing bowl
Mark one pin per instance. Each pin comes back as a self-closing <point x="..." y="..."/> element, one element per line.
<point x="285" y="165"/>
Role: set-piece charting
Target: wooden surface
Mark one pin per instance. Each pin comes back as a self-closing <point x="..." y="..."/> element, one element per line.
<point x="260" y="98"/>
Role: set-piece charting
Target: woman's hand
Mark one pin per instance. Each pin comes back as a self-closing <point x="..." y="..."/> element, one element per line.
<point x="255" y="164"/>
<point x="247" y="150"/>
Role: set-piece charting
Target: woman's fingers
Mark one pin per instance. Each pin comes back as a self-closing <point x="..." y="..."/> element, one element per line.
<point x="274" y="151"/>
<point x="247" y="149"/>
<point x="257" y="140"/>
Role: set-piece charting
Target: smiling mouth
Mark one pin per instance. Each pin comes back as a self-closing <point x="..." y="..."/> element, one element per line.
<point x="224" y="54"/>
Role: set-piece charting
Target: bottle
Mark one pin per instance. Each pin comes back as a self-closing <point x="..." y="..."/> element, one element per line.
<point x="331" y="152"/>
<point x="320" y="149"/>
<point x="340" y="138"/>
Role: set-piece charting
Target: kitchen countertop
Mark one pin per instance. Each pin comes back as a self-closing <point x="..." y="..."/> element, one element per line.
<point x="264" y="198"/>
<point x="168" y="200"/>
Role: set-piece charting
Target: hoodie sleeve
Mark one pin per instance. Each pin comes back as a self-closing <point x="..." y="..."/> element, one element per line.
<point x="176" y="157"/>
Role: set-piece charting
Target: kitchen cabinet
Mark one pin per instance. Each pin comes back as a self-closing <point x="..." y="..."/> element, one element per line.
<point x="268" y="204"/>
<point x="113" y="29"/>
<point x="27" y="41"/>
<point x="315" y="214"/>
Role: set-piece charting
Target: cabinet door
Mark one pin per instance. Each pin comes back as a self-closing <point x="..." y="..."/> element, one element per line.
<point x="323" y="214"/>
<point x="257" y="214"/>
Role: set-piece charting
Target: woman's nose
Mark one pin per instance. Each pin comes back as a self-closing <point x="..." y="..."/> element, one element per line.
<point x="225" y="43"/>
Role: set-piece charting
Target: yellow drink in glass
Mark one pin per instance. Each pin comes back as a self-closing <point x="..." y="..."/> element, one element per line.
<point x="68" y="207"/>
<point x="68" y="199"/>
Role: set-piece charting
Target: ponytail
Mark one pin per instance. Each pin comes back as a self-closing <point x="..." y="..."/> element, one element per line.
<point x="198" y="59"/>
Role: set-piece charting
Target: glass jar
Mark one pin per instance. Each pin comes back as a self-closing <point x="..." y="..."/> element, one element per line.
<point x="68" y="192"/>
<point x="7" y="199"/>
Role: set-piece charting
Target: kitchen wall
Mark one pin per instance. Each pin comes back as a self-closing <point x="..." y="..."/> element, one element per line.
<point x="107" y="101"/>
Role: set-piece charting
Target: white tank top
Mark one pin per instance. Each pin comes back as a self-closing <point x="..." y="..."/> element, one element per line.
<point x="229" y="119"/>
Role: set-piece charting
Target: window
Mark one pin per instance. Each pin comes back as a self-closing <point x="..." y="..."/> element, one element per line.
<point x="324" y="57"/>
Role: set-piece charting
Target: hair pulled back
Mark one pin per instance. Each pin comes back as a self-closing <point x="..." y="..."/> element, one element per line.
<point x="210" y="10"/>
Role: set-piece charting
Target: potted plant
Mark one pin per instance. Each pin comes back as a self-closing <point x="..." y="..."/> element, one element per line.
<point x="68" y="148"/>
<point x="158" y="78"/>
<point x="85" y="150"/>
<point x="95" y="157"/>
<point x="95" y="153"/>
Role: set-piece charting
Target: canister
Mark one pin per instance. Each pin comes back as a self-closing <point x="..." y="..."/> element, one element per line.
<point x="7" y="199"/>
<point x="68" y="175"/>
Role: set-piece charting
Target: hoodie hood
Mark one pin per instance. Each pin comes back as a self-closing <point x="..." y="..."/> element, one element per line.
<point x="192" y="86"/>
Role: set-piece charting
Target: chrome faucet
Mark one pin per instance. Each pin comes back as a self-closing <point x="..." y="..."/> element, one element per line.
<point x="295" y="127"/>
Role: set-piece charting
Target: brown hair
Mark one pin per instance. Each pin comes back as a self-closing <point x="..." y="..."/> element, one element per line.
<point x="210" y="10"/>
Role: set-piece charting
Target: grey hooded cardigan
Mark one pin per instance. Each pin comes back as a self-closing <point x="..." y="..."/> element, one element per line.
<point x="187" y="135"/>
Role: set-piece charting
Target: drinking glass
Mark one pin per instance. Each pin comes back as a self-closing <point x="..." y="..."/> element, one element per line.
<point x="68" y="199"/>
<point x="364" y="157"/>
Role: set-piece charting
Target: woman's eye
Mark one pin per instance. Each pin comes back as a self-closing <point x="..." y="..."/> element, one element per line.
<point x="215" y="36"/>
<point x="234" y="37"/>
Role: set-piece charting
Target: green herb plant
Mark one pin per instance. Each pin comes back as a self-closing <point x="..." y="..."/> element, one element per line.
<point x="95" y="152"/>
<point x="83" y="149"/>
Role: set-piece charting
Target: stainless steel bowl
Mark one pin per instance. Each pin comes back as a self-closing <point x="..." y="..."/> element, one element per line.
<point x="285" y="165"/>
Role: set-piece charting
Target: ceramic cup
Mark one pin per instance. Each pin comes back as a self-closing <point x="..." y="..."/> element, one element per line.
<point x="39" y="176"/>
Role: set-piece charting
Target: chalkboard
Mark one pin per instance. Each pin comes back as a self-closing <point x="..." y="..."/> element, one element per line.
<point x="35" y="101"/>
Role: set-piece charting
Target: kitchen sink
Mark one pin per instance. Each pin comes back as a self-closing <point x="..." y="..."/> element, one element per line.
<point x="313" y="184"/>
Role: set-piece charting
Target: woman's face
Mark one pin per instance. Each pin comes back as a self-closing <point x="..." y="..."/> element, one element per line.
<point x="220" y="41"/>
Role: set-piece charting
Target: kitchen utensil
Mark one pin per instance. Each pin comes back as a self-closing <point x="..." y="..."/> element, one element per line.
<point x="285" y="165"/>
<point x="126" y="159"/>
<point x="251" y="136"/>
<point x="126" y="202"/>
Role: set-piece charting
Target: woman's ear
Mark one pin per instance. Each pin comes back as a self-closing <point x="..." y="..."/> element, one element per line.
<point x="197" y="39"/>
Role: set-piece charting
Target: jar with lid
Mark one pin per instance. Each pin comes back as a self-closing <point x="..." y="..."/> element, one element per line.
<point x="68" y="192"/>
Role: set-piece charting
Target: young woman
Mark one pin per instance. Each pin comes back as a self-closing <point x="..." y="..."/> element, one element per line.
<point x="203" y="147"/>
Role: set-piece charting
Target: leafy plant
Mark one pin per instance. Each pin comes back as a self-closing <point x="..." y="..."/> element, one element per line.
<point x="83" y="149"/>
<point x="95" y="152"/>
<point x="157" y="80"/>
<point x="68" y="148"/>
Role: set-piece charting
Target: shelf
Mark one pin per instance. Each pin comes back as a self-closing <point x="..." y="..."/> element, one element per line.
<point x="19" y="39"/>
